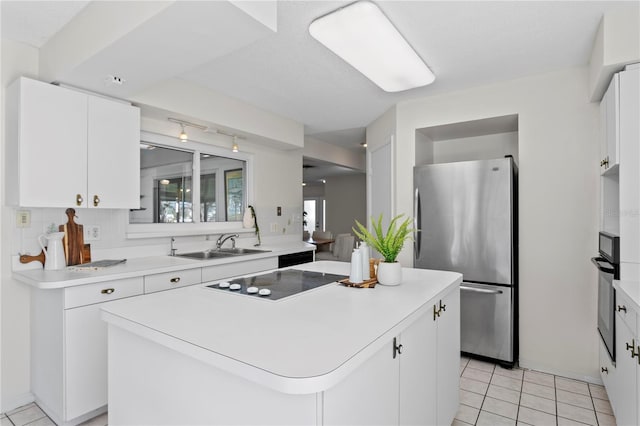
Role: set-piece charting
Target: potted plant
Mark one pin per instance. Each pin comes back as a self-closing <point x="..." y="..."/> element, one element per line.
<point x="388" y="244"/>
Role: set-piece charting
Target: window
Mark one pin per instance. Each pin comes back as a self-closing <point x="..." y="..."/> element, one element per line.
<point x="174" y="176"/>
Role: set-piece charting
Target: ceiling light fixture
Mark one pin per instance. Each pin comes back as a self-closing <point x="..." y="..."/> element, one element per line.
<point x="183" y="135"/>
<point x="363" y="36"/>
<point x="363" y="144"/>
<point x="234" y="148"/>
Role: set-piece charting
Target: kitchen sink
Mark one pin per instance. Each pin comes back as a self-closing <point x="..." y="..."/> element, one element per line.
<point x="235" y="251"/>
<point x="220" y="253"/>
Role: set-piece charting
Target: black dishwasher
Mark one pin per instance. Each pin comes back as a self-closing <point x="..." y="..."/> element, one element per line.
<point x="292" y="259"/>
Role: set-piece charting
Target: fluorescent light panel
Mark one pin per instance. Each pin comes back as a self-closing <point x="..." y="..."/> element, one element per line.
<point x="363" y="36"/>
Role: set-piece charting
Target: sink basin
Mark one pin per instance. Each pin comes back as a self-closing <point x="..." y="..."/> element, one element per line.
<point x="209" y="254"/>
<point x="236" y="251"/>
<point x="220" y="253"/>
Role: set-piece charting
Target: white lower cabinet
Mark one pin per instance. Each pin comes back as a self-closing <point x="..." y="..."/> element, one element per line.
<point x="69" y="338"/>
<point x="608" y="372"/>
<point x="623" y="386"/>
<point x="412" y="380"/>
<point x="625" y="400"/>
<point x="85" y="360"/>
<point x="69" y="348"/>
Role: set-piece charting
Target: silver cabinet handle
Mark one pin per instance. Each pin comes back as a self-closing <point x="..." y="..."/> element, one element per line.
<point x="175" y="280"/>
<point x="480" y="290"/>
<point x="108" y="290"/>
<point x="79" y="199"/>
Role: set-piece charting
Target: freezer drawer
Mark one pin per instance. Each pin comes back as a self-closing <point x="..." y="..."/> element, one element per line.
<point x="487" y="321"/>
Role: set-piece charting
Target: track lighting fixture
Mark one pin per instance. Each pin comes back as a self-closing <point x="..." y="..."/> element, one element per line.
<point x="183" y="137"/>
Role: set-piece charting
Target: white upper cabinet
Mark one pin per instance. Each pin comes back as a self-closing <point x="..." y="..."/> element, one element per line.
<point x="629" y="132"/>
<point x="609" y="119"/>
<point x="113" y="171"/>
<point x="70" y="149"/>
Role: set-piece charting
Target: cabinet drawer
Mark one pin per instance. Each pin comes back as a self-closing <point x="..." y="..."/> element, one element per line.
<point x="102" y="292"/>
<point x="212" y="273"/>
<point x="624" y="309"/>
<point x="169" y="280"/>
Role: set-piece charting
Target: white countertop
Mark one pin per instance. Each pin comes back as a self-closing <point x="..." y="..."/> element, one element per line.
<point x="301" y="344"/>
<point x="140" y="266"/>
<point x="632" y="290"/>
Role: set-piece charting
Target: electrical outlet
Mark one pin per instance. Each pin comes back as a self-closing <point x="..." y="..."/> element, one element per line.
<point x="274" y="227"/>
<point x="23" y="219"/>
<point x="91" y="232"/>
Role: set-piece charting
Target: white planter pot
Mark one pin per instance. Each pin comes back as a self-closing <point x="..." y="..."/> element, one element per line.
<point x="389" y="273"/>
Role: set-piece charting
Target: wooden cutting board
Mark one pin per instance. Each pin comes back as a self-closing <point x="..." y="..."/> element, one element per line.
<point x="73" y="241"/>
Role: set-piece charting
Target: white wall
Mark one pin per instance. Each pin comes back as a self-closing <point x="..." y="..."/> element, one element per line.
<point x="17" y="59"/>
<point x="346" y="202"/>
<point x="476" y="148"/>
<point x="558" y="159"/>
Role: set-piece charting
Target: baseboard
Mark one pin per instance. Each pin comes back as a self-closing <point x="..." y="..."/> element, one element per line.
<point x="16" y="401"/>
<point x="530" y="365"/>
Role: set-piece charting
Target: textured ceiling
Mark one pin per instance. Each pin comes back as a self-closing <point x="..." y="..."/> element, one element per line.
<point x="465" y="43"/>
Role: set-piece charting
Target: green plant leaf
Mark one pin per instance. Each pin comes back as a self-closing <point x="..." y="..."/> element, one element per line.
<point x="388" y="244"/>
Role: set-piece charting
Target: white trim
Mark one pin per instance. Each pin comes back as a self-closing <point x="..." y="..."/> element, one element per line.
<point x="532" y="365"/>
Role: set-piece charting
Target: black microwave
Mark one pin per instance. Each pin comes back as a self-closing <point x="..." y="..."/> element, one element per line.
<point x="609" y="247"/>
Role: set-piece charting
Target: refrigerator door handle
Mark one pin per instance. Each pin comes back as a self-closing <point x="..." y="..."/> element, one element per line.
<point x="480" y="290"/>
<point x="417" y="222"/>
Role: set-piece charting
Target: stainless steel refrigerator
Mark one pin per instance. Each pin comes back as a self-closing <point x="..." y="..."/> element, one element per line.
<point x="466" y="221"/>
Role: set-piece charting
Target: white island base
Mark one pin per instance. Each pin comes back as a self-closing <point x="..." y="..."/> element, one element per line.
<point x="329" y="356"/>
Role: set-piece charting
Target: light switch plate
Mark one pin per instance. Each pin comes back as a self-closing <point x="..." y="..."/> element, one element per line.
<point x="23" y="219"/>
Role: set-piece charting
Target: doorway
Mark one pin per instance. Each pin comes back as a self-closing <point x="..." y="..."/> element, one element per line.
<point x="315" y="212"/>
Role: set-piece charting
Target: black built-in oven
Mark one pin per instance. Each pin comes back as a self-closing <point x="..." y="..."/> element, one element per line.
<point x="608" y="264"/>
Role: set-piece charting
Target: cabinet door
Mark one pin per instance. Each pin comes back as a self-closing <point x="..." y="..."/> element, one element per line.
<point x="418" y="380"/>
<point x="85" y="361"/>
<point x="368" y="396"/>
<point x="52" y="153"/>
<point x="609" y="116"/>
<point x="448" y="358"/>
<point x="113" y="154"/>
<point x="607" y="372"/>
<point x="625" y="397"/>
<point x="630" y="169"/>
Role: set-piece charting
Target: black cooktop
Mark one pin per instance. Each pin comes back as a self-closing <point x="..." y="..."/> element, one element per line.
<point x="279" y="283"/>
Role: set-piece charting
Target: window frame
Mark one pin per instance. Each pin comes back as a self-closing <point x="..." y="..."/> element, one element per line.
<point x="154" y="230"/>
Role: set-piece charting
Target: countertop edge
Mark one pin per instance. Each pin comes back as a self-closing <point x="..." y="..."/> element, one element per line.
<point x="631" y="289"/>
<point x="68" y="278"/>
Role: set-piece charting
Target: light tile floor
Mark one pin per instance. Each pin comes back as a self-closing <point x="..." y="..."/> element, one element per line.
<point x="492" y="395"/>
<point x="32" y="415"/>
<point x="489" y="395"/>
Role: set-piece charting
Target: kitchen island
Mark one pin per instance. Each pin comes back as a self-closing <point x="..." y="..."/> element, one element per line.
<point x="330" y="355"/>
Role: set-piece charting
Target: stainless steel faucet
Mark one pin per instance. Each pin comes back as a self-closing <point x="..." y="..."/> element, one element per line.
<point x="222" y="239"/>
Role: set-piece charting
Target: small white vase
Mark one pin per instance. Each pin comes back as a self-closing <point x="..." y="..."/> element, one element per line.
<point x="248" y="220"/>
<point x="389" y="273"/>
